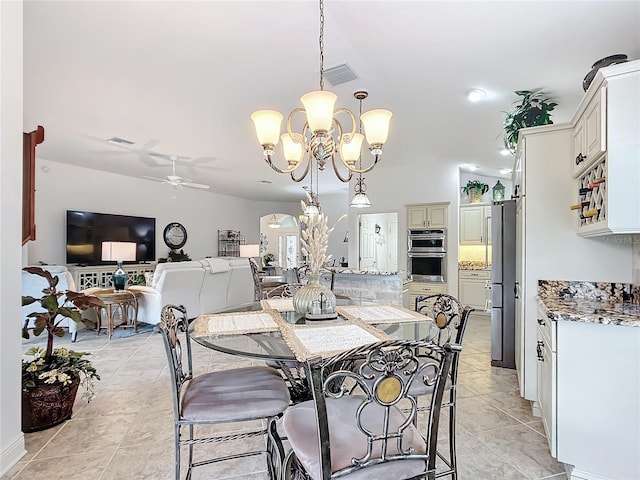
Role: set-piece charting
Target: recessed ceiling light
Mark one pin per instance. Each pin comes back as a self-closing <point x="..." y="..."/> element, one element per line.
<point x="504" y="152"/>
<point x="476" y="94"/>
<point x="472" y="168"/>
<point x="266" y="182"/>
<point x="505" y="171"/>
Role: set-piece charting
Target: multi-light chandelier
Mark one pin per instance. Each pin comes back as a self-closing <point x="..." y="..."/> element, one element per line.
<point x="322" y="138"/>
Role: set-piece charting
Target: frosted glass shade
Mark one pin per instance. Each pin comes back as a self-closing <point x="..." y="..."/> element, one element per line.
<point x="267" y="123"/>
<point x="293" y="151"/>
<point x="376" y="125"/>
<point x="360" y="200"/>
<point x="350" y="152"/>
<point x="252" y="250"/>
<point x="318" y="106"/>
<point x="118" y="251"/>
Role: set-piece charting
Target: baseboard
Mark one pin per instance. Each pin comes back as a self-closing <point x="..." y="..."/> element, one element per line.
<point x="575" y="474"/>
<point x="12" y="454"/>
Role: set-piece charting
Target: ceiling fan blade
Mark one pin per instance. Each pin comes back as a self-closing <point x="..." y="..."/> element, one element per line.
<point x="194" y="185"/>
<point x="156" y="179"/>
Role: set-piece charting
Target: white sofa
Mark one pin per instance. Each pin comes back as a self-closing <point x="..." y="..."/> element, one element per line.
<point x="201" y="286"/>
<point x="32" y="285"/>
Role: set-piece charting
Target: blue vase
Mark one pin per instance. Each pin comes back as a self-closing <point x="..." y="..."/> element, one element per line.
<point x="119" y="278"/>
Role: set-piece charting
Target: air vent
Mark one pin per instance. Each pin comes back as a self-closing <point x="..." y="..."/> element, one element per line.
<point x="120" y="141"/>
<point x="340" y="74"/>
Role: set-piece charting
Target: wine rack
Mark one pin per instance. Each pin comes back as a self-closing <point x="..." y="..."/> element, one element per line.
<point x="593" y="197"/>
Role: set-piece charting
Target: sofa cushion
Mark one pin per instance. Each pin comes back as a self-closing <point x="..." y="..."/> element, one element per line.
<point x="216" y="265"/>
<point x="166" y="266"/>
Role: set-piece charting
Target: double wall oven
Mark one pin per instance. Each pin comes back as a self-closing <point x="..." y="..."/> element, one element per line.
<point x="427" y="255"/>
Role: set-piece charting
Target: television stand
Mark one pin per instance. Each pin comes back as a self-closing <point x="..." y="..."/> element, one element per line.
<point x="100" y="275"/>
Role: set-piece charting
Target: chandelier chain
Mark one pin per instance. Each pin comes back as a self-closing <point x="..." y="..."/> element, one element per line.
<point x="321" y="41"/>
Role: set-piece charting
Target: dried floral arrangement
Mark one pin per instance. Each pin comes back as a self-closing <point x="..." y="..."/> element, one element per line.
<point x="315" y="239"/>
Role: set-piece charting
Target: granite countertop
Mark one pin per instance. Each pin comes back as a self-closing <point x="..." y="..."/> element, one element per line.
<point x="592" y="311"/>
<point x="472" y="265"/>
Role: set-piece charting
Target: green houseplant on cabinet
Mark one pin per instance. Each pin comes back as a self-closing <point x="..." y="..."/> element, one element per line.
<point x="475" y="189"/>
<point x="50" y="378"/>
<point x="532" y="111"/>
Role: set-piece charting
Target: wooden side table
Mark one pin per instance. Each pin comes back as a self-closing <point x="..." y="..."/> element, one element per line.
<point x="117" y="301"/>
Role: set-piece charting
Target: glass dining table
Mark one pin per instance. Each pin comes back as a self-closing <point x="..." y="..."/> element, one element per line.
<point x="270" y="345"/>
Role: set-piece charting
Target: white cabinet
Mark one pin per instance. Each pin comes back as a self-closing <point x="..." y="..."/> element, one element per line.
<point x="474" y="224"/>
<point x="589" y="134"/>
<point x="607" y="197"/>
<point x="547" y="366"/>
<point x="473" y="288"/>
<point x="427" y="215"/>
<point x="417" y="288"/>
<point x="588" y="383"/>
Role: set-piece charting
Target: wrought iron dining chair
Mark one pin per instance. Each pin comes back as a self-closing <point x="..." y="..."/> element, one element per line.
<point x="227" y="396"/>
<point x="372" y="434"/>
<point x="451" y="317"/>
<point x="286" y="290"/>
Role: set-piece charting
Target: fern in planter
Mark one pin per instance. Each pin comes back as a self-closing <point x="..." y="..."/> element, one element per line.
<point x="533" y="110"/>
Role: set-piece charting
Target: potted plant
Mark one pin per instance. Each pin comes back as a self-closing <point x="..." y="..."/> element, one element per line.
<point x="475" y="189"/>
<point x="50" y="378"/>
<point x="533" y="110"/>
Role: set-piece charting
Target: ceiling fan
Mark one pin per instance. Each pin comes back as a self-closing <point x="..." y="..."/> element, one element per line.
<point x="177" y="181"/>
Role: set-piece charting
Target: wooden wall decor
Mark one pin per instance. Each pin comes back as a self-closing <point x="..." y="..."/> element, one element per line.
<point x="30" y="141"/>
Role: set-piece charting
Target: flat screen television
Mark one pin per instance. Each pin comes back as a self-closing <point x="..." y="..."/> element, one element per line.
<point x="87" y="230"/>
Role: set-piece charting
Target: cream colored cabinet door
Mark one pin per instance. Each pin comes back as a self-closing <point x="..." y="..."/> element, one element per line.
<point x="472" y="288"/>
<point x="417" y="289"/>
<point x="471" y="225"/>
<point x="475" y="225"/>
<point x="416" y="217"/>
<point x="437" y="216"/>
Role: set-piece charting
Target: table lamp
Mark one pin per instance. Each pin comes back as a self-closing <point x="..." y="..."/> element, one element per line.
<point x="119" y="252"/>
<point x="250" y="251"/>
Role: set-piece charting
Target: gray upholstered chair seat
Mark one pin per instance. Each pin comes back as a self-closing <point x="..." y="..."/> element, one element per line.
<point x="347" y="441"/>
<point x="231" y="395"/>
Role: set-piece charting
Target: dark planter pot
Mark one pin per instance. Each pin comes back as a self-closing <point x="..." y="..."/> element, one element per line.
<point x="46" y="406"/>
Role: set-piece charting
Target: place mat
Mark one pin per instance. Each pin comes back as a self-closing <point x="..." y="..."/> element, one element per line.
<point x="279" y="304"/>
<point x="379" y="313"/>
<point x="236" y="323"/>
<point x="308" y="341"/>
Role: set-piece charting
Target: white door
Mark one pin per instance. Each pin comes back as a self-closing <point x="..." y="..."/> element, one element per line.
<point x="367" y="244"/>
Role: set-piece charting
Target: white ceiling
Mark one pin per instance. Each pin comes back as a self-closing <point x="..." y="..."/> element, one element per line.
<point x="182" y="78"/>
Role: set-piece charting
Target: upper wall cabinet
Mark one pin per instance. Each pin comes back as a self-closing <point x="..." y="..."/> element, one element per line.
<point x="474" y="224"/>
<point x="590" y="132"/>
<point x="606" y="129"/>
<point x="427" y="215"/>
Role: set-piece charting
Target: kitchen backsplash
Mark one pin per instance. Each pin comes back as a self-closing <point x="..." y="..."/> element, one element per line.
<point x="600" y="291"/>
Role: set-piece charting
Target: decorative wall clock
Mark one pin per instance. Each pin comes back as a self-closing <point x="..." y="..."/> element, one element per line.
<point x="175" y="235"/>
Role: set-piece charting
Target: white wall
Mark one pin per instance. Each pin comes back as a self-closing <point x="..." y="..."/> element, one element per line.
<point x="392" y="185"/>
<point x="203" y="213"/>
<point x="11" y="437"/>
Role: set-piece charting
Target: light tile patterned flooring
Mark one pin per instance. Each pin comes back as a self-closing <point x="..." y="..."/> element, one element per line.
<point x="126" y="431"/>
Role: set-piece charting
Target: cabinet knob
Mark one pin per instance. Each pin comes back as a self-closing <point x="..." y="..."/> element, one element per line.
<point x="541" y="321"/>
<point x="580" y="158"/>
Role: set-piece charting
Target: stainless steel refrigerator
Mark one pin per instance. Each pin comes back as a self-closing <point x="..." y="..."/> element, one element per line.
<point x="503" y="283"/>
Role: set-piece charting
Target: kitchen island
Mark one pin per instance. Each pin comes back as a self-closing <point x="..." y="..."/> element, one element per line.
<point x="380" y="287"/>
<point x="588" y="351"/>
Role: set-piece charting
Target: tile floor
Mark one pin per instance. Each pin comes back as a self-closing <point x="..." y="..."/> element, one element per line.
<point x="126" y="431"/>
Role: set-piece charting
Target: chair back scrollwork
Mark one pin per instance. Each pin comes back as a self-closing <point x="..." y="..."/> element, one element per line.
<point x="384" y="407"/>
<point x="174" y="326"/>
